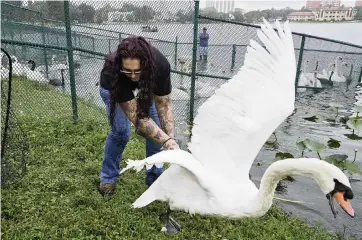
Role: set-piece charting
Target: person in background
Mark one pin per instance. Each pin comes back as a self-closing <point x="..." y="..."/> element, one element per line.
<point x="204" y="44"/>
<point x="135" y="86"/>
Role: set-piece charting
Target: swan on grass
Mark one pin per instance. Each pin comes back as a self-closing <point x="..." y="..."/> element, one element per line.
<point x="228" y="132"/>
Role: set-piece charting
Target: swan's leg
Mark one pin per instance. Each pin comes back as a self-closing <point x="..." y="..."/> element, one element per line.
<point x="171" y="225"/>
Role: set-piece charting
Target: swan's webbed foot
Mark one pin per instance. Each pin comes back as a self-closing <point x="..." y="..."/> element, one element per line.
<point x="171" y="225"/>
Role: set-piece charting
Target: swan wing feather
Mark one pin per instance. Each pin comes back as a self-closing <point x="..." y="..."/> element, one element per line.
<point x="245" y="111"/>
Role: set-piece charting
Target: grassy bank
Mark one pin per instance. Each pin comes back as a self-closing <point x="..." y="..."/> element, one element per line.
<point x="58" y="197"/>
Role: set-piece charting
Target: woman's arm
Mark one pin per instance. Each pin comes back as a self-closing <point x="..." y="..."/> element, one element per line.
<point x="165" y="114"/>
<point x="146" y="127"/>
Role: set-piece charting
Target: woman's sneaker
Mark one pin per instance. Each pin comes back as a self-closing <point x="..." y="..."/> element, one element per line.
<point x="107" y="189"/>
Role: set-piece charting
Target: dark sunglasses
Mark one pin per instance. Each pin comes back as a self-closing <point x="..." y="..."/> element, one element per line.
<point x="130" y="72"/>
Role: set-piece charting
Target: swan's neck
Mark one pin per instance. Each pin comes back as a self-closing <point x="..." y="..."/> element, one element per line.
<point x="277" y="171"/>
<point x="350" y="73"/>
<point x="336" y="66"/>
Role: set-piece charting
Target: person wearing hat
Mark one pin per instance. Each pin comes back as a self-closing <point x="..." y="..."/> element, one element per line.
<point x="204" y="44"/>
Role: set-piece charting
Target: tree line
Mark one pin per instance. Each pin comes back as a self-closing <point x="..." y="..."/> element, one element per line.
<point x="84" y="13"/>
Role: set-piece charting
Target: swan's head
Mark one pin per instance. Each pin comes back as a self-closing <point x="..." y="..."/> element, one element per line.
<point x="31" y="65"/>
<point x="335" y="185"/>
<point x="14" y="59"/>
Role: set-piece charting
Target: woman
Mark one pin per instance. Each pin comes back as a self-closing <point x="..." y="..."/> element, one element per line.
<point x="135" y="86"/>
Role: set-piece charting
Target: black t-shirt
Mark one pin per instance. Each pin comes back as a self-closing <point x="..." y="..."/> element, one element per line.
<point x="128" y="88"/>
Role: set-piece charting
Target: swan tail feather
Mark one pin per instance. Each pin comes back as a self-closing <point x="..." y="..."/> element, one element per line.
<point x="177" y="156"/>
<point x="133" y="164"/>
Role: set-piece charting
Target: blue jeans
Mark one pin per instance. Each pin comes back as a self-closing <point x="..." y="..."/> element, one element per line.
<point x="118" y="138"/>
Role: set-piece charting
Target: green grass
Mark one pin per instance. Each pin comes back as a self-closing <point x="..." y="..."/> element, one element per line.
<point x="58" y="197"/>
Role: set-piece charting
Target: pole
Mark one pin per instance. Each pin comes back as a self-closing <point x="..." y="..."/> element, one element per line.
<point x="70" y="59"/>
<point x="194" y="52"/>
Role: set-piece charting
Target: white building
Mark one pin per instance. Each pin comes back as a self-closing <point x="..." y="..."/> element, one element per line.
<point x="331" y="3"/>
<point x="224" y="6"/>
<point x="301" y="16"/>
<point x="114" y="16"/>
<point x="118" y="16"/>
<point x="325" y="14"/>
<point x="336" y="14"/>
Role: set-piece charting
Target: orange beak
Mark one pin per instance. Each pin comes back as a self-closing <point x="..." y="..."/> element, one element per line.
<point x="345" y="204"/>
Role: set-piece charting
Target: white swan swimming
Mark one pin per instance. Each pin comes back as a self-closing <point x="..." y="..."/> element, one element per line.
<point x="228" y="132"/>
<point x="338" y="70"/>
<point x="55" y="70"/>
<point x="311" y="77"/>
<point x="18" y="68"/>
<point x="4" y="70"/>
<point x="325" y="78"/>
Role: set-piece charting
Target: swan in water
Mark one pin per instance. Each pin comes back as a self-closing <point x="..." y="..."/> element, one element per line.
<point x="325" y="78"/>
<point x="338" y="72"/>
<point x="4" y="70"/>
<point x="18" y="68"/>
<point x="311" y="76"/>
<point x="228" y="132"/>
<point x="56" y="71"/>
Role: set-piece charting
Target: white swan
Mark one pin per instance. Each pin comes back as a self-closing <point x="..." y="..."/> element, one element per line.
<point x="311" y="77"/>
<point x="4" y="70"/>
<point x="18" y="68"/>
<point x="34" y="75"/>
<point x="228" y="132"/>
<point x="325" y="78"/>
<point x="202" y="90"/>
<point x="338" y="73"/>
<point x="54" y="69"/>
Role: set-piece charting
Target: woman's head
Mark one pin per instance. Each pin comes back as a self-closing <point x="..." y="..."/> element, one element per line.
<point x="135" y="59"/>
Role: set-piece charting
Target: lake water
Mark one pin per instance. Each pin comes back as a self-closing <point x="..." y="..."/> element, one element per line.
<point x="308" y="104"/>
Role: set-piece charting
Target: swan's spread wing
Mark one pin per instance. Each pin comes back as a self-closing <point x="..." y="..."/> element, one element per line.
<point x="245" y="111"/>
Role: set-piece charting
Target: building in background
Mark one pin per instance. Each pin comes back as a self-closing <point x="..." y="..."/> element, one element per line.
<point x="224" y="6"/>
<point x="331" y="3"/>
<point x="312" y="4"/>
<point x="325" y="14"/>
<point x="301" y="16"/>
<point x="358" y="3"/>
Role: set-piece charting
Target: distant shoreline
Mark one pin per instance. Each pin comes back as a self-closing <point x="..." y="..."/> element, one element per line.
<point x="354" y="21"/>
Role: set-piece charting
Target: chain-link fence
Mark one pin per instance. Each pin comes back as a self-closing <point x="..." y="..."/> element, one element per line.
<point x="37" y="38"/>
<point x="14" y="145"/>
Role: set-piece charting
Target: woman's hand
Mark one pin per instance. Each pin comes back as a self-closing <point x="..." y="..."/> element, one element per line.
<point x="170" y="145"/>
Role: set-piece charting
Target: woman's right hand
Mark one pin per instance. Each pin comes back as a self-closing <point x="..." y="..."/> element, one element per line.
<point x="170" y="145"/>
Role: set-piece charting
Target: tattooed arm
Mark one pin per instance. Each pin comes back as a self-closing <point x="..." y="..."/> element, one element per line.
<point x="147" y="127"/>
<point x="164" y="110"/>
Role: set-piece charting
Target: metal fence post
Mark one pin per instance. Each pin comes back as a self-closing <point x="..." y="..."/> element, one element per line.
<point x="70" y="59"/>
<point x="176" y="52"/>
<point x="360" y="76"/>
<point x="194" y="49"/>
<point x="120" y="37"/>
<point x="233" y="54"/>
<point x="299" y="62"/>
<point x="44" y="42"/>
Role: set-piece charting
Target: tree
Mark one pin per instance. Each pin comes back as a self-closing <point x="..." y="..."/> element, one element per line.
<point x="87" y="13"/>
<point x="55" y="10"/>
<point x="144" y="14"/>
<point x="359" y="13"/>
<point x="182" y="16"/>
<point x="239" y="17"/>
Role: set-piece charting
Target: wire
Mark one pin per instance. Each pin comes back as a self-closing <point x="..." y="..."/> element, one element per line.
<point x="8" y="105"/>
